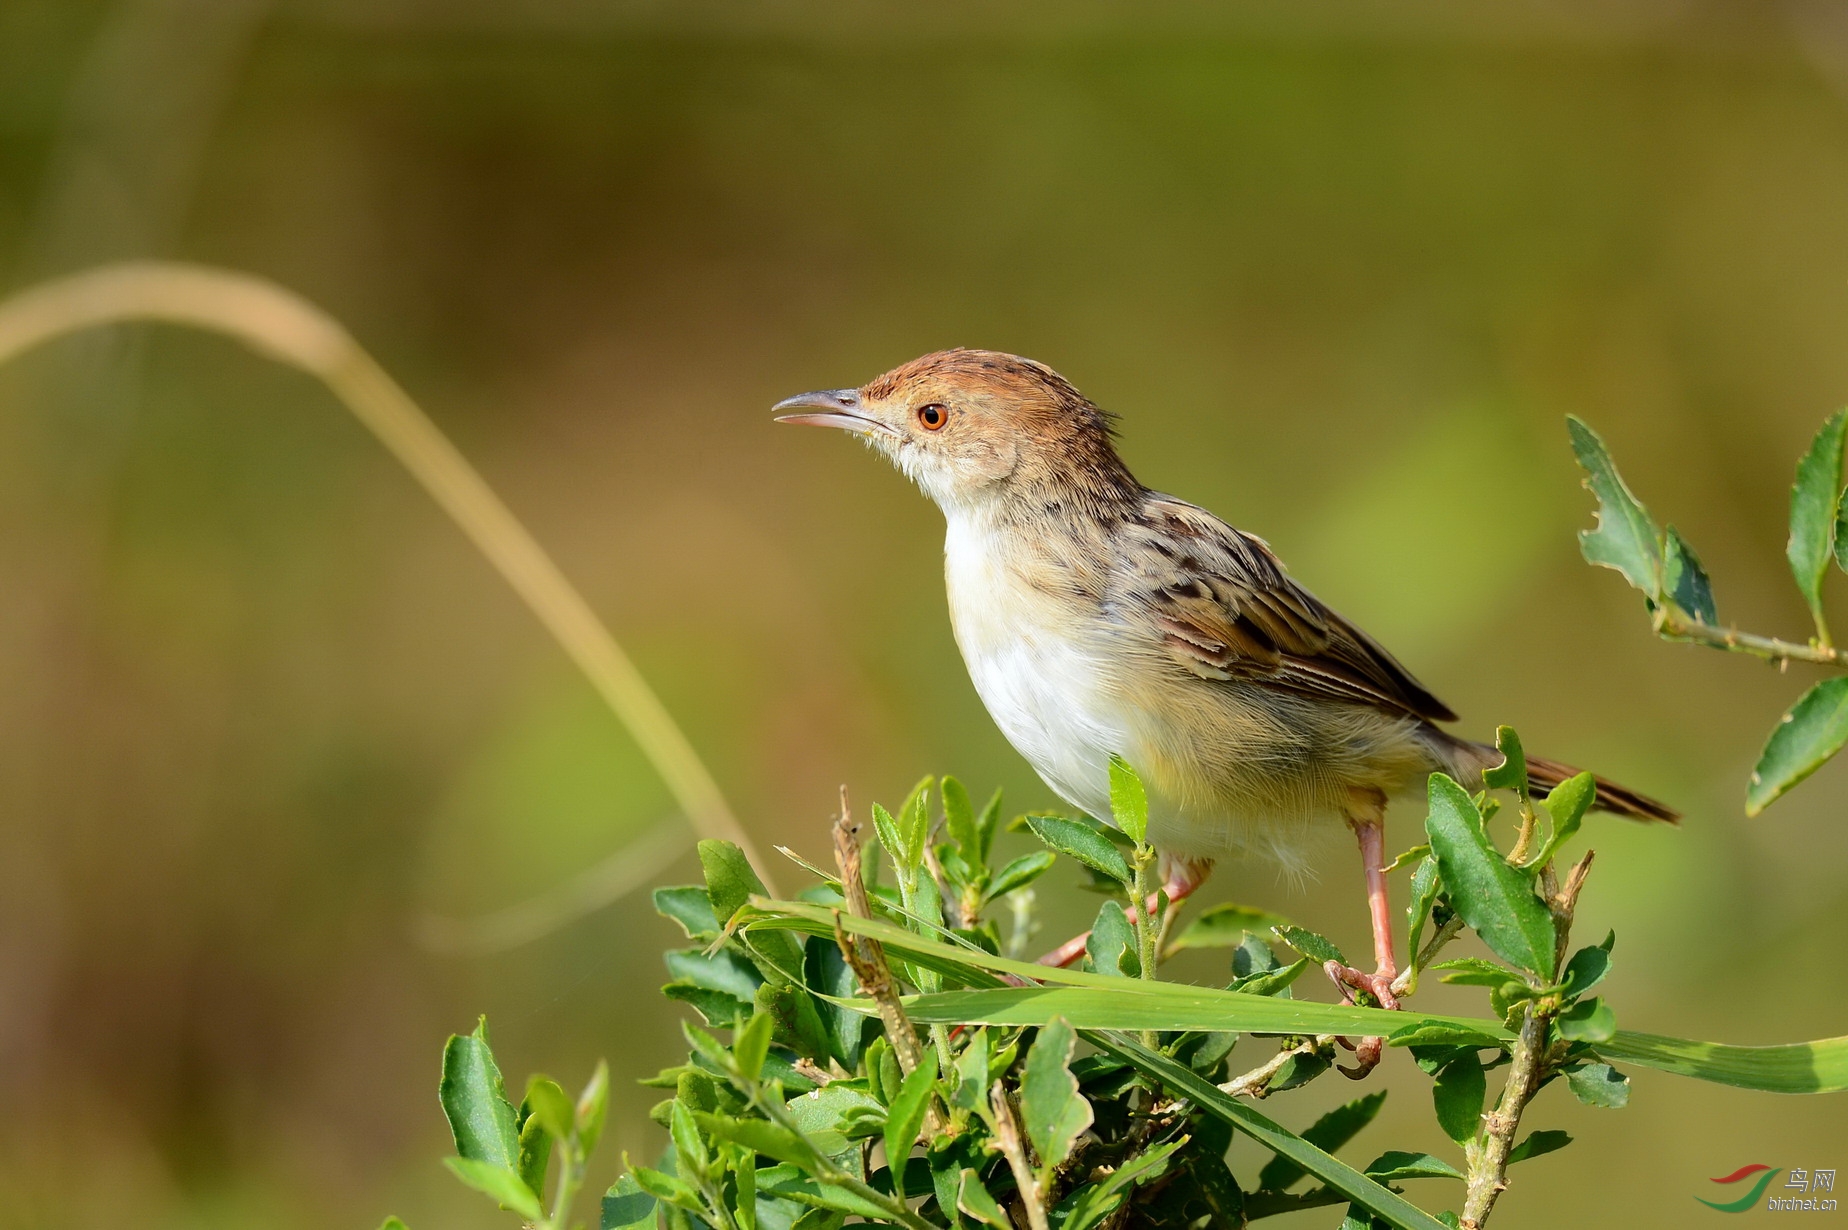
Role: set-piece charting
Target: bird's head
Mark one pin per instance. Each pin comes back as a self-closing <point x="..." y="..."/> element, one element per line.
<point x="979" y="430"/>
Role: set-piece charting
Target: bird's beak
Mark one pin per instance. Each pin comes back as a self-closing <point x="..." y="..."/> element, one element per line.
<point x="835" y="408"/>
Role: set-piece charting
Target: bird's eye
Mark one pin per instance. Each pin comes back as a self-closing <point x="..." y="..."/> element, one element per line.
<point x="933" y="416"/>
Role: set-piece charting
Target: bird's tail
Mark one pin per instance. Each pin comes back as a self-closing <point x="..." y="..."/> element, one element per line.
<point x="1544" y="774"/>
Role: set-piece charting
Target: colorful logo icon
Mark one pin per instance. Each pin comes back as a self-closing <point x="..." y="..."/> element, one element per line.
<point x="1765" y="1175"/>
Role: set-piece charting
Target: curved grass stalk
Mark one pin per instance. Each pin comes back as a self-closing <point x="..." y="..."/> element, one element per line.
<point x="283" y="326"/>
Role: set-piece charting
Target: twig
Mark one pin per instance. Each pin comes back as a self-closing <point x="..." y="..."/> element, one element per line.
<point x="867" y="956"/>
<point x="1407" y="981"/>
<point x="1676" y="625"/>
<point x="1488" y="1153"/>
<point x="1007" y="1138"/>
<point x="1253" y="1083"/>
<point x="282" y="325"/>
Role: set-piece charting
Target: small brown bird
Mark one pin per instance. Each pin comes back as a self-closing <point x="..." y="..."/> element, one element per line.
<point x="1097" y="616"/>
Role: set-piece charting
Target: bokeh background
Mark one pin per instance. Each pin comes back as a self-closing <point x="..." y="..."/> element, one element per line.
<point x="1341" y="269"/>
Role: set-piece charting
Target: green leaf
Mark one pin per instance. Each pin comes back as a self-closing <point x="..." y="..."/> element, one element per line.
<point x="1129" y="803"/>
<point x="827" y="973"/>
<point x="891" y="839"/>
<point x="1589" y="1020"/>
<point x="1806" y="737"/>
<point x="790" y="1183"/>
<point x="1334" y="1173"/>
<point x="1426" y="883"/>
<point x="1395" y="1165"/>
<point x="730" y="882"/>
<point x="498" y="1183"/>
<point x="761" y="1136"/>
<point x="689" y="906"/>
<point x="1317" y="948"/>
<point x="726" y="970"/>
<point x="1052" y="1110"/>
<point x="914" y="820"/>
<point x="1112" y="943"/>
<point x="817" y="1219"/>
<point x="1254" y="956"/>
<point x="973" y="1200"/>
<point x="1588" y="967"/>
<point x="751" y="1045"/>
<point x="689" y="1146"/>
<point x="1599" y="1084"/>
<point x="795" y="1022"/>
<point x="1496" y="900"/>
<point x="1020" y="872"/>
<point x="1270" y="981"/>
<point x="547" y="1101"/>
<point x="1813" y="501"/>
<point x="1686" y="581"/>
<point x="1440" y="1034"/>
<point x="716" y="1007"/>
<point x="1625" y="538"/>
<point x="1224" y="926"/>
<point x="1511" y="773"/>
<point x="1538" y="1144"/>
<point x="1475" y="972"/>
<point x="988" y="823"/>
<point x="1841" y="533"/>
<point x="971" y="1089"/>
<point x="535" y="1154"/>
<point x="831" y="1117"/>
<point x="1329" y="1133"/>
<point x="906" y="1116"/>
<point x="1567" y="804"/>
<point x="666" y="1188"/>
<point x="1457" y="1094"/>
<point x="475" y="1101"/>
<point x="706" y="1047"/>
<point x="1082" y="842"/>
<point x="742" y="1164"/>
<point x="393" y="1223"/>
<point x="959" y="820"/>
<point x="1801" y="1067"/>
<point x="593" y="1106"/>
<point x="1298" y="1070"/>
<point x="627" y="1207"/>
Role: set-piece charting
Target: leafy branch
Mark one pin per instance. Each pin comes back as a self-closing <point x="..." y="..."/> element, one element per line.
<point x="1091" y="1098"/>
<point x="1679" y="595"/>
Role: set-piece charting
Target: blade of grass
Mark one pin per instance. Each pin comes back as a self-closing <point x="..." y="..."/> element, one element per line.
<point x="282" y="325"/>
<point x="1167" y="1006"/>
<point x="1803" y="1067"/>
<point x="1796" y="1067"/>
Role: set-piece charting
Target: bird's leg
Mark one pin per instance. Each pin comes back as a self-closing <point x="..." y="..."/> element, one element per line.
<point x="1368" y="820"/>
<point x="1180" y="878"/>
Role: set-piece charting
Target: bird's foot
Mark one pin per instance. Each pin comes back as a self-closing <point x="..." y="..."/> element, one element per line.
<point x="1378" y="985"/>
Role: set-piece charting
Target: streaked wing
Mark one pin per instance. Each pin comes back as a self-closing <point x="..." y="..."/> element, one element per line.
<point x="1225" y="609"/>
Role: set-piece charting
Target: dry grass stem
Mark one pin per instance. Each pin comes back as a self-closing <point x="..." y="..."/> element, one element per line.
<point x="282" y="325"/>
<point x="867" y="956"/>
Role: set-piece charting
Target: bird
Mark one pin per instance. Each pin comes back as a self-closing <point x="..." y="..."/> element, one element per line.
<point x="1099" y="617"/>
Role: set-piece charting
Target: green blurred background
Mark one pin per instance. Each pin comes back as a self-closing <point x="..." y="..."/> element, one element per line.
<point x="1341" y="269"/>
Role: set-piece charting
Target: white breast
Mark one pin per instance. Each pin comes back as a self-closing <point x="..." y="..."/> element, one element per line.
<point x="1035" y="666"/>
